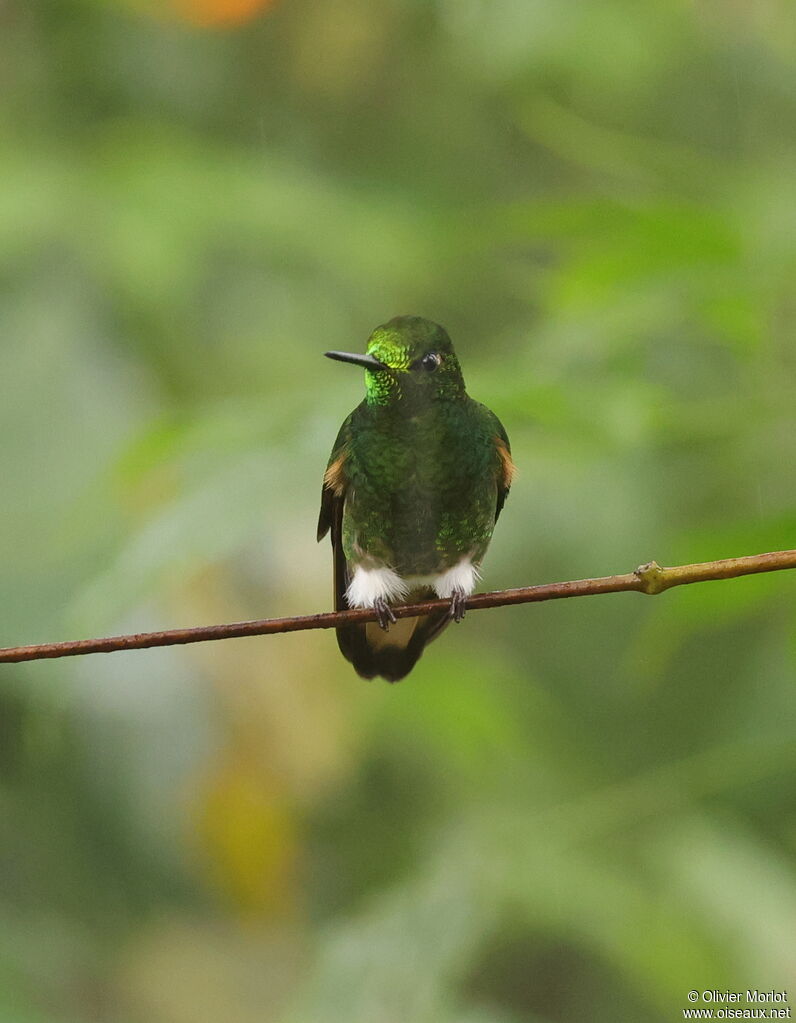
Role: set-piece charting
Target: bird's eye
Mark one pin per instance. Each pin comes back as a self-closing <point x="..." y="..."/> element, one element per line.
<point x="430" y="362"/>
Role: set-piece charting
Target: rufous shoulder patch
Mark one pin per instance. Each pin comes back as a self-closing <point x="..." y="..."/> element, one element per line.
<point x="508" y="468"/>
<point x="334" y="477"/>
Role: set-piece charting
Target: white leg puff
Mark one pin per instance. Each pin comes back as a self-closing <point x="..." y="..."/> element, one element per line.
<point x="375" y="584"/>
<point x="462" y="578"/>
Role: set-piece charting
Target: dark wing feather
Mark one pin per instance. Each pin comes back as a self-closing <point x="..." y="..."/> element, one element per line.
<point x="333" y="495"/>
<point x="335" y="482"/>
<point x="506" y="467"/>
<point x="351" y="639"/>
<point x="326" y="517"/>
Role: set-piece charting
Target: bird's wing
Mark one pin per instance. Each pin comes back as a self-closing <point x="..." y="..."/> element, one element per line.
<point x="506" y="470"/>
<point x="335" y="481"/>
<point x="504" y="467"/>
<point x="333" y="494"/>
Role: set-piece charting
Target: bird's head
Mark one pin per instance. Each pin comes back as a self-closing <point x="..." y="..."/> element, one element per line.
<point x="410" y="358"/>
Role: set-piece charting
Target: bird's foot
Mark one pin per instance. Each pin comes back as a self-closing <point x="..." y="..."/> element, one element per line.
<point x="385" y="618"/>
<point x="458" y="605"/>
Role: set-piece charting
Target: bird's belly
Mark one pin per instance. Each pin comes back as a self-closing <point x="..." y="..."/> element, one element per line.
<point x="419" y="541"/>
<point x="426" y="510"/>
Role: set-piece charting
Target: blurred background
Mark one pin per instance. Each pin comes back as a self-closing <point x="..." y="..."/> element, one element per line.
<point x="571" y="811"/>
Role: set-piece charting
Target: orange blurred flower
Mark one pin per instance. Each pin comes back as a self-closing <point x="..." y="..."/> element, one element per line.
<point x="220" y="12"/>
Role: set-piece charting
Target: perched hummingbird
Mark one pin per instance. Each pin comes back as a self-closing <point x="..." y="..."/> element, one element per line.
<point x="414" y="486"/>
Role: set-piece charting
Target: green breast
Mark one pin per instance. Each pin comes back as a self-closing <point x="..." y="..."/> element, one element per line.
<point x="423" y="486"/>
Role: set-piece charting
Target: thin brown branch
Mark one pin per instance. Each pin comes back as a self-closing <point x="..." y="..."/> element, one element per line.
<point x="650" y="578"/>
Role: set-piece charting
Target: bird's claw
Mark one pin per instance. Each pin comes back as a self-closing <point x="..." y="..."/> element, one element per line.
<point x="384" y="613"/>
<point x="458" y="605"/>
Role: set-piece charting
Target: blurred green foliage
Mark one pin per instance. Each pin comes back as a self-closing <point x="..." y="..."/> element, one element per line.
<point x="571" y="811"/>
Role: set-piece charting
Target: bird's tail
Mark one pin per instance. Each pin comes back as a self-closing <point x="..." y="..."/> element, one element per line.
<point x="394" y="652"/>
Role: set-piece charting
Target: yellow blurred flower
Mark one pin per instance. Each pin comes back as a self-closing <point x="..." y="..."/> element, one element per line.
<point x="247" y="834"/>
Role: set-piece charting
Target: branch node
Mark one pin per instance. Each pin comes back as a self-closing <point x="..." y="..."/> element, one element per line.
<point x="652" y="578"/>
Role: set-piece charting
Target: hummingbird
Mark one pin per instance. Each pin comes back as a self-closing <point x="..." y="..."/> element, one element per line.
<point x="415" y="483"/>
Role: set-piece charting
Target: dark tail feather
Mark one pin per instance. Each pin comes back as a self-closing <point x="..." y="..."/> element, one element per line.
<point x="391" y="654"/>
